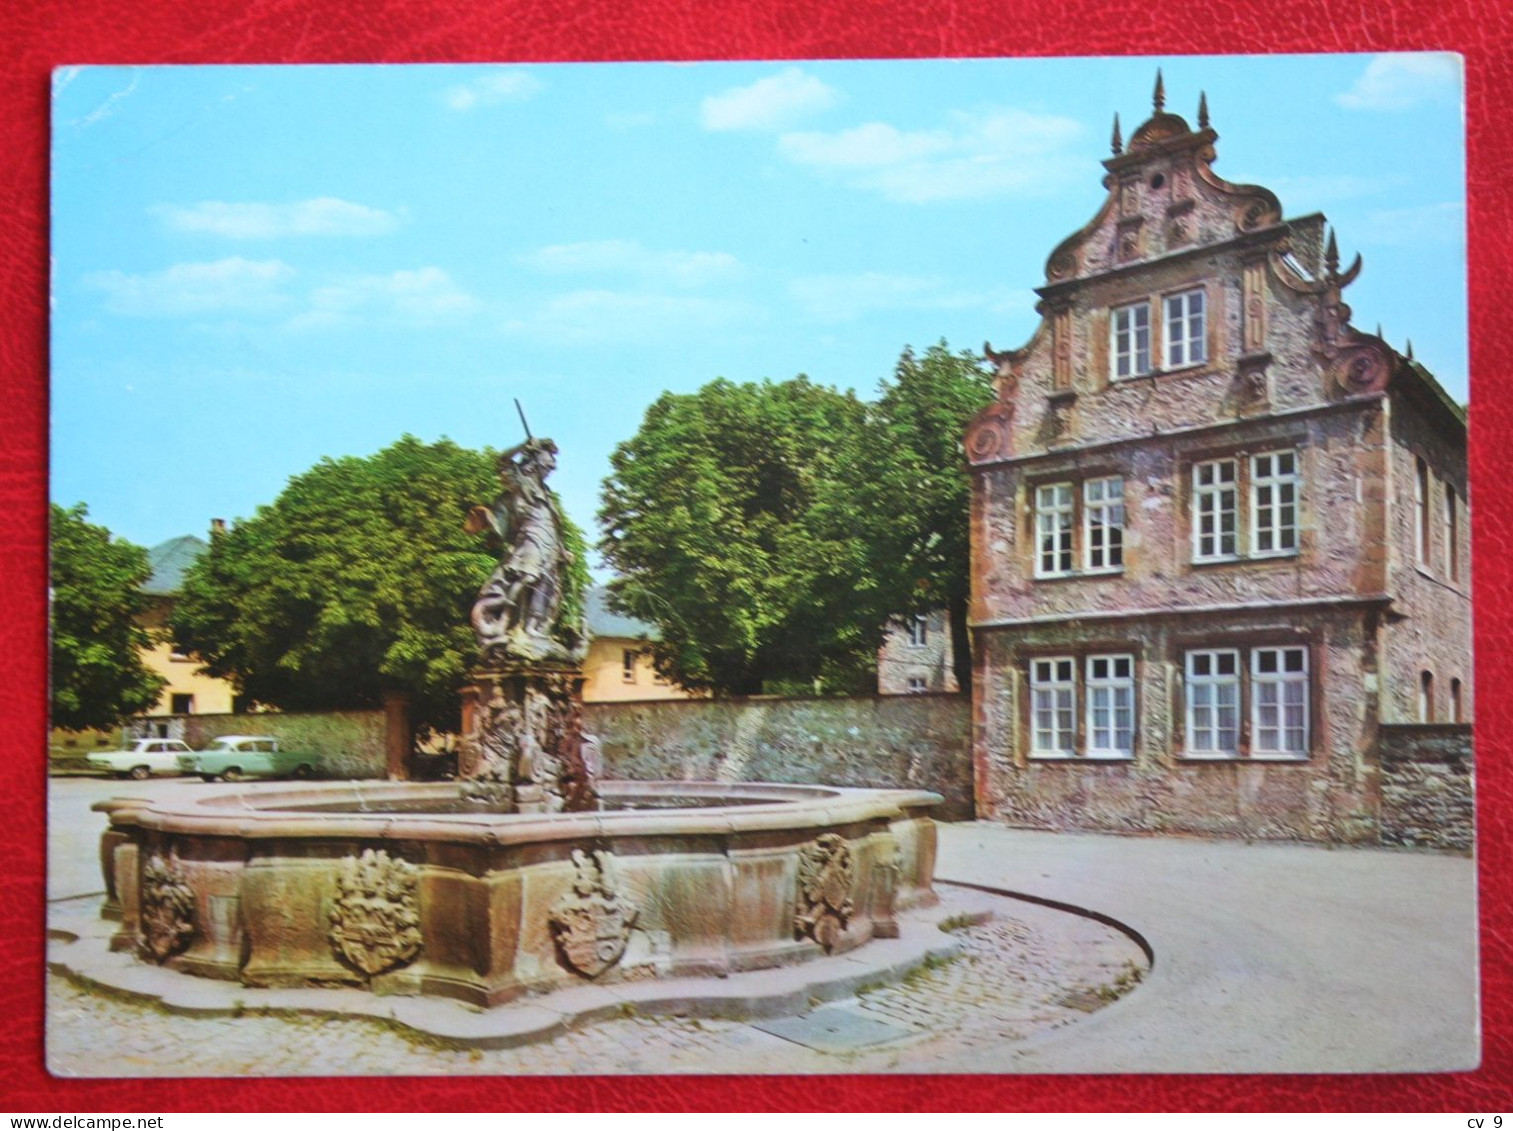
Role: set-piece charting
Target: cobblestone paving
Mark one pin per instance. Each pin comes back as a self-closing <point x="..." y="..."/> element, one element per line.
<point x="1027" y="971"/>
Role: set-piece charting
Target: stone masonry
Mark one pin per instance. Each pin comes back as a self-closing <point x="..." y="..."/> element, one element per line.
<point x="1220" y="536"/>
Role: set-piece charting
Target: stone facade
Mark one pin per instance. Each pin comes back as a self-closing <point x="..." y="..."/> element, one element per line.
<point x="1219" y="535"/>
<point x="916" y="657"/>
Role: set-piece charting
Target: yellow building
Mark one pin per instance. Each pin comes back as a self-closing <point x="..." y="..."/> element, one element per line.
<point x="618" y="667"/>
<point x="187" y="692"/>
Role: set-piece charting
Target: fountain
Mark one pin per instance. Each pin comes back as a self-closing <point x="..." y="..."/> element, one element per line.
<point x="528" y="874"/>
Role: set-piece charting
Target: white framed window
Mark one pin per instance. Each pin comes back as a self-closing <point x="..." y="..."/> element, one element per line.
<point x="917" y="684"/>
<point x="1186" y="332"/>
<point x="1274" y="503"/>
<point x="1215" y="503"/>
<point x="1103" y="523"/>
<point x="1053" y="706"/>
<point x="1279" y="702"/>
<point x="1053" y="530"/>
<point x="1130" y="341"/>
<point x="1110" y="684"/>
<point x="628" y="665"/>
<point x="919" y="632"/>
<point x="1212" y="691"/>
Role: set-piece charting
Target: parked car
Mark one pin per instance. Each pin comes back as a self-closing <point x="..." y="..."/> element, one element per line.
<point x="235" y="757"/>
<point x="142" y="759"/>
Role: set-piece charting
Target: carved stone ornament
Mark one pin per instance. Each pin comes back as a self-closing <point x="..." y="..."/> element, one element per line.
<point x="591" y="922"/>
<point x="990" y="436"/>
<point x="167" y="907"/>
<point x="826" y="871"/>
<point x="1361" y="369"/>
<point x="375" y="921"/>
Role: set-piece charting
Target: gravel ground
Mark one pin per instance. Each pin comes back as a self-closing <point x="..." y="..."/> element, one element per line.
<point x="1025" y="972"/>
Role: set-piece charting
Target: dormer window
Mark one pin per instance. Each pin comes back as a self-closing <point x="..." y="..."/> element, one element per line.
<point x="1130" y="327"/>
<point x="1186" y="327"/>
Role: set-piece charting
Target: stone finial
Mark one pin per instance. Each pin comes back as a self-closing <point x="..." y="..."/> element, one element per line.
<point x="1158" y="96"/>
<point x="1378" y="329"/>
<point x="1410" y="349"/>
<point x="1118" y="139"/>
<point x="1203" y="110"/>
<point x="1332" y="256"/>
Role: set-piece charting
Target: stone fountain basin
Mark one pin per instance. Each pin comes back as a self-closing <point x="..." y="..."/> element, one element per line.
<point x="318" y="885"/>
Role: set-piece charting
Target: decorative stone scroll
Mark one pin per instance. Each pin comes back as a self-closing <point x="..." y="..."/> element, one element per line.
<point x="990" y="435"/>
<point x="827" y="869"/>
<point x="591" y="922"/>
<point x="375" y="921"/>
<point x="167" y="907"/>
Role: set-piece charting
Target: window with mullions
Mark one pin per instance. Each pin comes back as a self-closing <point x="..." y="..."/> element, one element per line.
<point x="919" y="632"/>
<point x="1274" y="503"/>
<point x="1186" y="332"/>
<point x="1053" y="705"/>
<point x="1279" y="707"/>
<point x="1130" y="334"/>
<point x="1215" y="505"/>
<point x="1053" y="530"/>
<point x="1111" y="706"/>
<point x="1103" y="523"/>
<point x="1213" y="703"/>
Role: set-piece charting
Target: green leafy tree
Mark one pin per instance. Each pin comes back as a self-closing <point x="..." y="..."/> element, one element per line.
<point x="355" y="583"/>
<point x="722" y="518"/>
<point x="98" y="676"/>
<point x="911" y="490"/>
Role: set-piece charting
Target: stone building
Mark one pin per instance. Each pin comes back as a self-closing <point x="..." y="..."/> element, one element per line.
<point x="1220" y="537"/>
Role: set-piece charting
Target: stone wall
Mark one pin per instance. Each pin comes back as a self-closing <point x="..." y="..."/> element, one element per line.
<point x="349" y="744"/>
<point x="1428" y="783"/>
<point x="903" y="742"/>
<point x="1431" y="628"/>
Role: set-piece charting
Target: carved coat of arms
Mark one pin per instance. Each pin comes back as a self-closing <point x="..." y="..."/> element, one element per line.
<point x="591" y="923"/>
<point x="167" y="907"/>
<point x="375" y="921"/>
<point x="826" y="871"/>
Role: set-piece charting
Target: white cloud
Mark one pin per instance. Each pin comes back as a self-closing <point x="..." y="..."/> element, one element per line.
<point x="492" y="90"/>
<point x="988" y="153"/>
<point x="841" y="298"/>
<point x="771" y="103"/>
<point x="1429" y="224"/>
<point x="423" y="297"/>
<point x="1400" y="82"/>
<point x="322" y="216"/>
<point x="626" y="257"/>
<point x="225" y="286"/>
<point x="613" y="316"/>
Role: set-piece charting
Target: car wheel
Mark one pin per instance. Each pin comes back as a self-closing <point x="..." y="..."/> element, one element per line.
<point x="207" y="777"/>
<point x="140" y="773"/>
<point x="304" y="772"/>
<point x="231" y="773"/>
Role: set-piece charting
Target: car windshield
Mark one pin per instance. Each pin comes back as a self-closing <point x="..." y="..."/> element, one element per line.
<point x="221" y="744"/>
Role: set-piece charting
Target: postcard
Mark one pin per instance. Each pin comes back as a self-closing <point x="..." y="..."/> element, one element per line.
<point x="808" y="567"/>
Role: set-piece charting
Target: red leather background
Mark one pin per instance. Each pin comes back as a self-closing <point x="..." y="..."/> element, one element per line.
<point x="43" y="35"/>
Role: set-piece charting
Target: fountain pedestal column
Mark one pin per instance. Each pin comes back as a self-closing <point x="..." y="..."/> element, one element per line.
<point x="523" y="746"/>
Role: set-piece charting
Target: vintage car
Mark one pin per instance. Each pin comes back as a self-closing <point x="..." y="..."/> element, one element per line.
<point x="145" y="757"/>
<point x="234" y="757"/>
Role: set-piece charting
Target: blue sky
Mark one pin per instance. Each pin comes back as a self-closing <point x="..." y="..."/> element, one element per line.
<point x="255" y="267"/>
